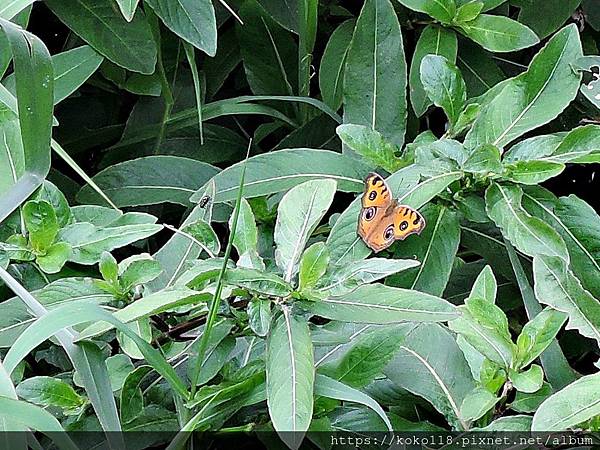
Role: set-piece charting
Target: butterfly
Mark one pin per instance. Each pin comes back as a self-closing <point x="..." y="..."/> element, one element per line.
<point x="382" y="220"/>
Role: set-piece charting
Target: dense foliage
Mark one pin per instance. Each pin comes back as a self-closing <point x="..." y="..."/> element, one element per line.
<point x="179" y="197"/>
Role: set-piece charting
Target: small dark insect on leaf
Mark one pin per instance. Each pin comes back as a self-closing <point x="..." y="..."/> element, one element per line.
<point x="204" y="201"/>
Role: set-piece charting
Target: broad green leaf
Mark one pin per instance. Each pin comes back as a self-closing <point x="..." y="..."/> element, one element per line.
<point x="377" y="303"/>
<point x="88" y="241"/>
<point x="331" y="388"/>
<point x="299" y="212"/>
<point x="259" y="316"/>
<point x="434" y="40"/>
<point x="154" y="303"/>
<point x="143" y="329"/>
<point x="132" y="399"/>
<point x="365" y="357"/>
<point x="485" y="286"/>
<point x="100" y="24"/>
<point x="127" y="8"/>
<point x="537" y="335"/>
<point x="444" y="85"/>
<point x="48" y="391"/>
<point x="485" y="327"/>
<point x="290" y="377"/>
<point x="478" y="68"/>
<point x="533" y="98"/>
<point x="268" y="51"/>
<point x="528" y="403"/>
<point x="528" y="381"/>
<point x="73" y="314"/>
<point x="527" y="233"/>
<point x="484" y="160"/>
<point x="545" y="17"/>
<point x="71" y="69"/>
<point x="281" y="170"/>
<point x="442" y="10"/>
<point x="333" y="64"/>
<point x="205" y="235"/>
<point x="556" y="286"/>
<point x="246" y="233"/>
<point x="532" y="172"/>
<point x="536" y="147"/>
<point x="499" y="33"/>
<point x="369" y="144"/>
<point x="138" y="269"/>
<point x="41" y="223"/>
<point x="192" y="20"/>
<point x="11" y="8"/>
<point x="55" y="257"/>
<point x="576" y="403"/>
<point x="313" y="265"/>
<point x="435" y="248"/>
<point x="36" y="418"/>
<point x="431" y="365"/>
<point x="255" y="280"/>
<point x="477" y="403"/>
<point x="150" y="180"/>
<point x="576" y="221"/>
<point x="375" y="76"/>
<point x="345" y="279"/>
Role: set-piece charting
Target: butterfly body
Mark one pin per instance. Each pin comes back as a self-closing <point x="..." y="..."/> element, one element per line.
<point x="382" y="219"/>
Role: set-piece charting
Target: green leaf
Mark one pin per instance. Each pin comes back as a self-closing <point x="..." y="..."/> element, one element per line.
<point x="365" y="357"/>
<point x="434" y="40"/>
<point x="246" y="234"/>
<point x="532" y="172"/>
<point x="345" y="279"/>
<point x="529" y="234"/>
<point x="528" y="403"/>
<point x="444" y="85"/>
<point x="88" y="241"/>
<point x="377" y="303"/>
<point x="259" y="316"/>
<point x="576" y="403"/>
<point x="533" y="98"/>
<point x="41" y="223"/>
<point x="485" y="286"/>
<point x="313" y="265"/>
<point x="537" y="335"/>
<point x="132" y="399"/>
<point x="108" y="267"/>
<point x="11" y="8"/>
<point x="262" y="282"/>
<point x="36" y="418"/>
<point x="330" y="388"/>
<point x="193" y="21"/>
<point x="333" y="64"/>
<point x="479" y="69"/>
<point x="48" y="391"/>
<point x="55" y="257"/>
<point x="442" y="10"/>
<point x="435" y="248"/>
<point x="485" y="327"/>
<point x="298" y="214"/>
<point x="477" y="403"/>
<point x="528" y="381"/>
<point x="150" y="180"/>
<point x="138" y="269"/>
<point x="205" y="234"/>
<point x="268" y="51"/>
<point x="484" y="160"/>
<point x="556" y="286"/>
<point x="371" y="145"/>
<point x="468" y="12"/>
<point x="547" y="16"/>
<point x="99" y="23"/>
<point x="128" y="8"/>
<point x="431" y="365"/>
<point x="375" y="76"/>
<point x="281" y="170"/>
<point x="290" y="377"/>
<point x="73" y="314"/>
<point x="499" y="33"/>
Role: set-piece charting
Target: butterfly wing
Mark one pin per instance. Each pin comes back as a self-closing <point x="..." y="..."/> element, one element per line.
<point x="376" y="203"/>
<point x="407" y="221"/>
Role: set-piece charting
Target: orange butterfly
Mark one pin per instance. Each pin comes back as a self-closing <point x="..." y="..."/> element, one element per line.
<point x="382" y="220"/>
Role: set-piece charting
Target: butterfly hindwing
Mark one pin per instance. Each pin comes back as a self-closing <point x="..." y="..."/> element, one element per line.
<point x="382" y="220"/>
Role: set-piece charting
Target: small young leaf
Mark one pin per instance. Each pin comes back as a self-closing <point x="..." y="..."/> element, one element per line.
<point x="485" y="286"/>
<point x="537" y="334"/>
<point x="477" y="403"/>
<point x="484" y="160"/>
<point x="529" y="381"/>
<point x="371" y="145"/>
<point x="42" y="225"/>
<point x="313" y="265"/>
<point x="108" y="267"/>
<point x="55" y="257"/>
<point x="204" y="233"/>
<point x="259" y="316"/>
<point x="468" y="12"/>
